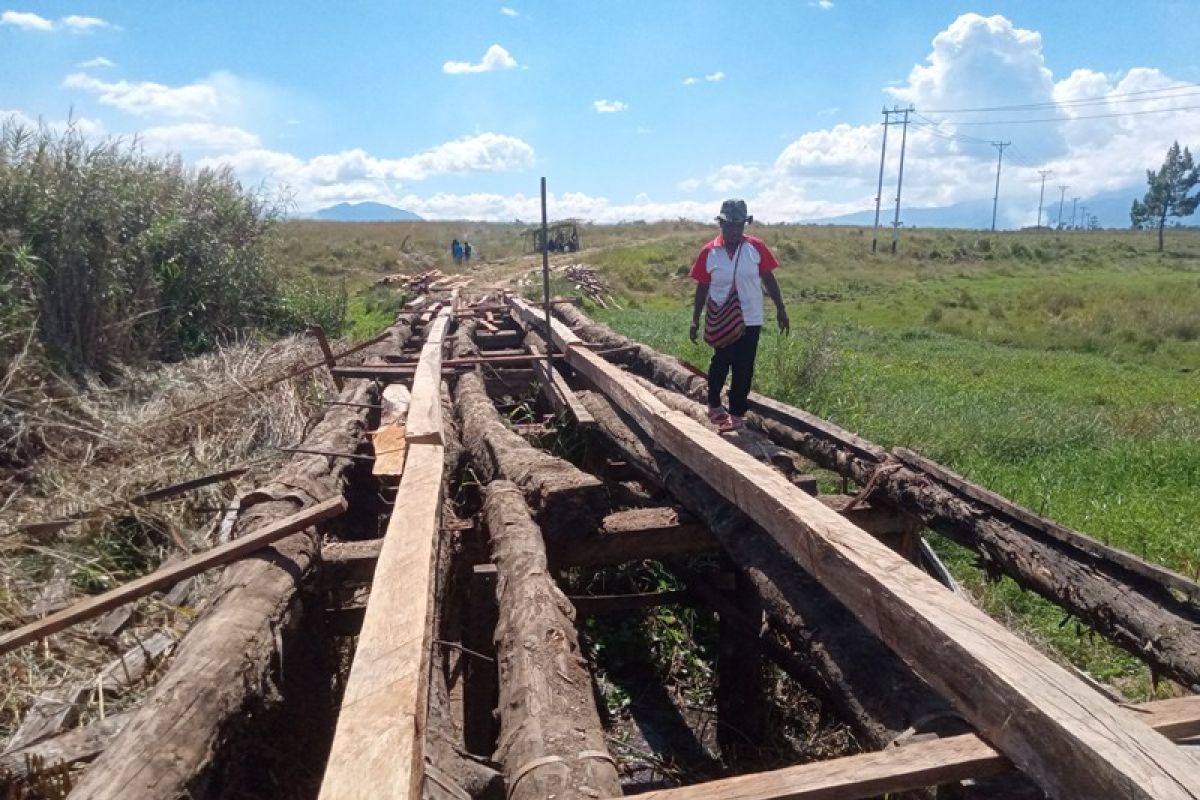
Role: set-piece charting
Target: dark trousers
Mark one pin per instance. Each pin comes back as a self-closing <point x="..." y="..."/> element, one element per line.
<point x="738" y="358"/>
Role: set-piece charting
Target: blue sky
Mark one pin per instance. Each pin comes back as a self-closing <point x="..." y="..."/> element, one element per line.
<point x="650" y="110"/>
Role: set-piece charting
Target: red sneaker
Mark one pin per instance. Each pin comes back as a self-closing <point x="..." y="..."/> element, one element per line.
<point x="720" y="417"/>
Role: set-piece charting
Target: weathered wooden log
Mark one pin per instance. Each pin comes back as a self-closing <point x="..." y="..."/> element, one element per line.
<point x="567" y="501"/>
<point x="880" y="702"/>
<point x="230" y="657"/>
<point x="453" y="767"/>
<point x="1132" y="611"/>
<point x="551" y="740"/>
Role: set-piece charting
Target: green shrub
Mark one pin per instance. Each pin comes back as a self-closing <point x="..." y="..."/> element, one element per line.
<point x="127" y="257"/>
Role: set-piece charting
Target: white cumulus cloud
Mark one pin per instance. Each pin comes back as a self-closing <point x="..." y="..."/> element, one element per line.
<point x="26" y="21"/>
<point x="496" y="58"/>
<point x="509" y="12"/>
<point x="609" y="106"/>
<point x="192" y="137"/>
<point x="197" y="100"/>
<point x="81" y="24"/>
<point x="357" y="175"/>
<point x="96" y="63"/>
<point x="712" y="77"/>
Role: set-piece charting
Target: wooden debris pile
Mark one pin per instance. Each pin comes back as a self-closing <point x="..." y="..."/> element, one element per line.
<point x="590" y="282"/>
<point x="433" y="280"/>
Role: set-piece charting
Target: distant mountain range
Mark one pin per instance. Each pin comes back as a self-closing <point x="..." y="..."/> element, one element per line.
<point x="365" y="212"/>
<point x="1111" y="210"/>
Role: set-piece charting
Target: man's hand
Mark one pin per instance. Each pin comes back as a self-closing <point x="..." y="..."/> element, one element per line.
<point x="785" y="324"/>
<point x="693" y="330"/>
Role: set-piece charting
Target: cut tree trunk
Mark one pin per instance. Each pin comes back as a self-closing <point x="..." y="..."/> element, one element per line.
<point x="1135" y="613"/>
<point x="567" y="501"/>
<point x="880" y="702"/>
<point x="227" y="663"/>
<point x="551" y="740"/>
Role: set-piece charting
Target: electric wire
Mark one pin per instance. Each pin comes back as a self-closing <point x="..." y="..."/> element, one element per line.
<point x="1186" y="90"/>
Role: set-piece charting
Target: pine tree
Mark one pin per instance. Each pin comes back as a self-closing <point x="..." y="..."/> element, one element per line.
<point x="1168" y="194"/>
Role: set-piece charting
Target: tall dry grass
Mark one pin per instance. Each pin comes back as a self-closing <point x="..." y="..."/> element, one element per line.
<point x="110" y="257"/>
<point x="125" y="437"/>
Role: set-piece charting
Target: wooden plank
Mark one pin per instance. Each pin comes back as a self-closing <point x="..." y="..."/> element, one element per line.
<point x="378" y="744"/>
<point x="389" y="439"/>
<point x="1060" y="731"/>
<point x="554" y="385"/>
<point x="1050" y="528"/>
<point x="425" y="408"/>
<point x="633" y="536"/>
<point x="899" y="769"/>
<point x="378" y="748"/>
<point x="160" y="579"/>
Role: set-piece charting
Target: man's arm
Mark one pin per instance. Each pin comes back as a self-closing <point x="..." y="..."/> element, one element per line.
<point x="697" y="309"/>
<point x="781" y="316"/>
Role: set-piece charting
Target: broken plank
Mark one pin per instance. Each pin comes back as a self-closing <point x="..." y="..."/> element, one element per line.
<point x="389" y="439"/>
<point x="217" y="556"/>
<point x="1061" y="732"/>
<point x="900" y="769"/>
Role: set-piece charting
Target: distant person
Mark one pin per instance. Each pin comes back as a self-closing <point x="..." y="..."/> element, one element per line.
<point x="456" y="250"/>
<point x="467" y="251"/>
<point x="730" y="273"/>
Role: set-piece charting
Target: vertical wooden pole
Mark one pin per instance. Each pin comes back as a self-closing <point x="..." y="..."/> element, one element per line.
<point x="318" y="333"/>
<point x="546" y="275"/>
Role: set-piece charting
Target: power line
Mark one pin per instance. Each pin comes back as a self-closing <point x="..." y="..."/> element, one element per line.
<point x="1110" y="98"/>
<point x="1067" y="119"/>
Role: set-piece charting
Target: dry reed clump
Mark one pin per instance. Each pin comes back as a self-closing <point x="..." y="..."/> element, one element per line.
<point x="106" y="443"/>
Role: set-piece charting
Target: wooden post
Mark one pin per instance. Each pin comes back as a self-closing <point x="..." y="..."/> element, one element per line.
<point x="318" y="333"/>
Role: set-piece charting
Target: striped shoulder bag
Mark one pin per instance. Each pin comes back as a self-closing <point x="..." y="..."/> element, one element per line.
<point x="724" y="324"/>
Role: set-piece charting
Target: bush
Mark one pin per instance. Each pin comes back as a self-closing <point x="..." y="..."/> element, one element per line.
<point x="123" y="257"/>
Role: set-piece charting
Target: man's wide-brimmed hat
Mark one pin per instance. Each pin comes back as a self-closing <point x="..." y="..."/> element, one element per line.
<point x="734" y="211"/>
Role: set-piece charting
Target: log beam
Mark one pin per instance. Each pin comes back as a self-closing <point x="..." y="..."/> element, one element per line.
<point x="551" y="741"/>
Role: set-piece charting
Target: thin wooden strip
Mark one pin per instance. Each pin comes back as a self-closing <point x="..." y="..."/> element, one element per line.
<point x="217" y="556"/>
<point x="904" y="768"/>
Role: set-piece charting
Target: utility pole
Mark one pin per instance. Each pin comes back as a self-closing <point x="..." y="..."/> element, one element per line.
<point x="996" y="197"/>
<point x="1042" y="196"/>
<point x="879" y="191"/>
<point x="1074" y="202"/>
<point x="900" y="180"/>
<point x="1083" y="218"/>
<point x="1061" y="198"/>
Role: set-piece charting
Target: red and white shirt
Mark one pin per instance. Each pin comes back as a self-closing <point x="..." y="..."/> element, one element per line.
<point x="715" y="267"/>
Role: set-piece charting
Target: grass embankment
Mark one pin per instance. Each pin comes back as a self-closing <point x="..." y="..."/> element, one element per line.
<point x="1058" y="370"/>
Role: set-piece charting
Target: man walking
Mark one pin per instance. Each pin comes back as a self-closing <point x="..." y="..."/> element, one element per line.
<point x="731" y="272"/>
